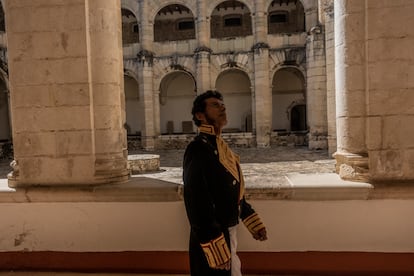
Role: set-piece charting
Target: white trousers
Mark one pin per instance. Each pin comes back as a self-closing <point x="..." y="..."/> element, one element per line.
<point x="235" y="261"/>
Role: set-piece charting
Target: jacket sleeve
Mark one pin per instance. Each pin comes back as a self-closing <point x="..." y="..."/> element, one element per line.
<point x="250" y="218"/>
<point x="199" y="203"/>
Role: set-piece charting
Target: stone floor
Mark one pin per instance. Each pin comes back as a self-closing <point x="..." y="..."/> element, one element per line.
<point x="261" y="167"/>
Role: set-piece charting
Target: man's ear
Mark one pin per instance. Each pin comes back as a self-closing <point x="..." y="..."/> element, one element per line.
<point x="201" y="117"/>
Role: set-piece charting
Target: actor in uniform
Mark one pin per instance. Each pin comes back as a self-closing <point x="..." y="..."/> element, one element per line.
<point x="214" y="193"/>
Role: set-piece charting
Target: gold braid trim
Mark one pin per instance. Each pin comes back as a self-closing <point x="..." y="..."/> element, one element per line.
<point x="216" y="251"/>
<point x="228" y="158"/>
<point x="209" y="129"/>
<point x="253" y="223"/>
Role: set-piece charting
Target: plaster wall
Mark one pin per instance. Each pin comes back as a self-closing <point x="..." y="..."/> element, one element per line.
<point x="349" y="225"/>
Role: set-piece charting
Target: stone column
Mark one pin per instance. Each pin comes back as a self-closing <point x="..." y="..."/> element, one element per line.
<point x="350" y="86"/>
<point x="262" y="92"/>
<point x="146" y="89"/>
<point x="145" y="71"/>
<point x="260" y="21"/>
<point x="262" y="96"/>
<point x="146" y="31"/>
<point x="327" y="20"/>
<point x="203" y="51"/>
<point x="66" y="82"/>
<point x="316" y="85"/>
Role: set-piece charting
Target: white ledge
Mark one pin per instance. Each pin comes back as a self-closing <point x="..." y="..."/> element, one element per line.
<point x="303" y="187"/>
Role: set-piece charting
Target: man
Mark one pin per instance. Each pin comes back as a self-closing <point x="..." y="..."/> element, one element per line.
<point x="214" y="193"/>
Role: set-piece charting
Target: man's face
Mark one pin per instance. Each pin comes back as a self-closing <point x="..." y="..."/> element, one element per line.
<point x="215" y="113"/>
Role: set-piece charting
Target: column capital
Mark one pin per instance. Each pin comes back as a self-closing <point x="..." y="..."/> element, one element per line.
<point x="146" y="56"/>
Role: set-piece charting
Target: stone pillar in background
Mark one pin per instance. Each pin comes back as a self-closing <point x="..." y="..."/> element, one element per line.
<point x="350" y="86"/>
<point x="262" y="94"/>
<point x="260" y="21"/>
<point x="66" y="82"/>
<point x="327" y="19"/>
<point x="145" y="71"/>
<point x="203" y="51"/>
<point x="316" y="85"/>
<point x="262" y="97"/>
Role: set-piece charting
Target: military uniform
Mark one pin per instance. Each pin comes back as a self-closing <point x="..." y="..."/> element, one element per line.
<point x="214" y="201"/>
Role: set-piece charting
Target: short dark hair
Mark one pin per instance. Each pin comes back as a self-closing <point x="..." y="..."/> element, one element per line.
<point x="199" y="104"/>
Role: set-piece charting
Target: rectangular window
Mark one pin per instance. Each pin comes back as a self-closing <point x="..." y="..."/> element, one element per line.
<point x="135" y="28"/>
<point x="186" y="25"/>
<point x="234" y="21"/>
<point x="279" y="17"/>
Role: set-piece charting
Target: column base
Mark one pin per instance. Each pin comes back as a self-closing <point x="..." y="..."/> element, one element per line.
<point x="352" y="167"/>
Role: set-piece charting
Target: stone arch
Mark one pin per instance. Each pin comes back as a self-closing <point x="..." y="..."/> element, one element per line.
<point x="286" y="16"/>
<point x="130" y="5"/>
<point x="222" y="62"/>
<point x="288" y="91"/>
<point x="174" y="22"/>
<point x="167" y="65"/>
<point x="231" y="18"/>
<point x="211" y="5"/>
<point x="155" y="6"/>
<point x="133" y="104"/>
<point x="235" y="85"/>
<point x="177" y="92"/>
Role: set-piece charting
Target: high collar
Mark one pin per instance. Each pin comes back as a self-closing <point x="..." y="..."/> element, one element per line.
<point x="207" y="129"/>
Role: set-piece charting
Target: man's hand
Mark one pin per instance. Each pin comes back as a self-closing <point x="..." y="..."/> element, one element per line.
<point x="261" y="235"/>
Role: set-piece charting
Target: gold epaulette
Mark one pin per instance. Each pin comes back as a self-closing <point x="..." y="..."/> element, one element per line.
<point x="216" y="251"/>
<point x="253" y="223"/>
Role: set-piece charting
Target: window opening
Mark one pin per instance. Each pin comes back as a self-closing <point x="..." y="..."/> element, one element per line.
<point x="279" y="17"/>
<point x="233" y="21"/>
<point x="186" y="25"/>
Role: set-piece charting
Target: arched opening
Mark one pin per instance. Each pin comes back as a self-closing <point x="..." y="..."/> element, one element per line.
<point x="133" y="107"/>
<point x="298" y="118"/>
<point x="288" y="98"/>
<point x="2" y="19"/>
<point x="231" y="19"/>
<point x="235" y="85"/>
<point x="174" y="22"/>
<point x="177" y="92"/>
<point x="286" y="16"/>
<point x="130" y="29"/>
<point x="5" y="132"/>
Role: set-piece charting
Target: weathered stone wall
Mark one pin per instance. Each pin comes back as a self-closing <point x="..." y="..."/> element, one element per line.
<point x="390" y="89"/>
